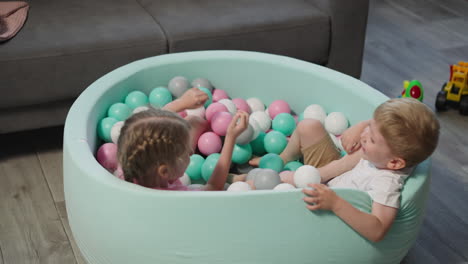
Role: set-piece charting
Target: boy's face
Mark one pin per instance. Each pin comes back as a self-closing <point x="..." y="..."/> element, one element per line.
<point x="375" y="147"/>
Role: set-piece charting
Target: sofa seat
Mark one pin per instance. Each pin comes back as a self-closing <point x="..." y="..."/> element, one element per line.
<point x="66" y="45"/>
<point x="245" y="25"/>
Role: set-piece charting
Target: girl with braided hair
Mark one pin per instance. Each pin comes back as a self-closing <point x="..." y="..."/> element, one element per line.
<point x="155" y="145"/>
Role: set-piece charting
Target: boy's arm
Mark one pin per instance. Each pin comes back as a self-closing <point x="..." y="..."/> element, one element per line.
<point x="372" y="226"/>
<point x="338" y="167"/>
<point x="351" y="138"/>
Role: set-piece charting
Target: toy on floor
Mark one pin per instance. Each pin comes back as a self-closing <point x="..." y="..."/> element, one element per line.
<point x="413" y="89"/>
<point x="455" y="91"/>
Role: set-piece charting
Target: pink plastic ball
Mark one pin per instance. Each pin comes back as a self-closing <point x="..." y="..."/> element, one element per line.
<point x="287" y="177"/>
<point x="278" y="107"/>
<point x="220" y="122"/>
<point x="107" y="156"/>
<point x="209" y="143"/>
<point x="182" y="114"/>
<point x="213" y="109"/>
<point x="241" y="104"/>
<point x="219" y="94"/>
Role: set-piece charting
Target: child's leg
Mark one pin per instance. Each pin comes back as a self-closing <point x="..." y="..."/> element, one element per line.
<point x="197" y="127"/>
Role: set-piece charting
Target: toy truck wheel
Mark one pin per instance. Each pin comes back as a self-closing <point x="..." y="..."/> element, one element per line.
<point x="463" y="107"/>
<point x="441" y="101"/>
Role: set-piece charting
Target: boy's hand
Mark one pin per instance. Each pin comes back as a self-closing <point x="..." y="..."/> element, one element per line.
<point x="193" y="98"/>
<point x="239" y="123"/>
<point x="321" y="197"/>
<point x="351" y="138"/>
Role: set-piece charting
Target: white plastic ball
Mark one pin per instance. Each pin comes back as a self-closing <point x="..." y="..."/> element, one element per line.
<point x="263" y="120"/>
<point x="115" y="131"/>
<point x="336" y="123"/>
<point x="239" y="187"/>
<point x="246" y="136"/>
<point x="195" y="186"/>
<point x="315" y="111"/>
<point x="178" y="86"/>
<point x="202" y="82"/>
<point x="140" y="109"/>
<point x="336" y="141"/>
<point x="306" y="174"/>
<point x="284" y="186"/>
<point x="256" y="104"/>
<point x="232" y="108"/>
<point x="200" y="112"/>
<point x="185" y="180"/>
<point x="256" y="128"/>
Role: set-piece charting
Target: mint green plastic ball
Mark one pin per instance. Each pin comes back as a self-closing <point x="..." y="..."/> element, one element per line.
<point x="284" y="123"/>
<point x="160" y="96"/>
<point x="135" y="99"/>
<point x="258" y="145"/>
<point x="194" y="169"/>
<point x="275" y="142"/>
<point x="209" y="165"/>
<point x="292" y="165"/>
<point x="301" y="117"/>
<point x="104" y="128"/>
<point x="241" y="153"/>
<point x="210" y="96"/>
<point x="271" y="161"/>
<point x="119" y="111"/>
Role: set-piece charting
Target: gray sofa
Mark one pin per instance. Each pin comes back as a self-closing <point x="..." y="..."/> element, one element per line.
<point x="66" y="45"/>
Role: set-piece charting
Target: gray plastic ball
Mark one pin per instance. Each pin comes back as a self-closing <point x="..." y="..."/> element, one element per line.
<point x="266" y="179"/>
<point x="244" y="168"/>
<point x="202" y="82"/>
<point x="178" y="85"/>
<point x="251" y="175"/>
<point x="245" y="137"/>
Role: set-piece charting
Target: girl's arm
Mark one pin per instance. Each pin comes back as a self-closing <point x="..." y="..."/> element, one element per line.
<point x="191" y="99"/>
<point x="372" y="226"/>
<point x="219" y="176"/>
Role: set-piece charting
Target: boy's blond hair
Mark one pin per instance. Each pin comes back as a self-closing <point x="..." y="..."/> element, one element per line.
<point x="149" y="139"/>
<point x="409" y="127"/>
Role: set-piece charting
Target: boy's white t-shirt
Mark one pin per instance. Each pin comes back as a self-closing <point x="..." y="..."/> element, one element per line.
<point x="383" y="186"/>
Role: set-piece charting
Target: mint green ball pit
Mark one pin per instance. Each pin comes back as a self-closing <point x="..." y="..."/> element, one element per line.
<point x="118" y="222"/>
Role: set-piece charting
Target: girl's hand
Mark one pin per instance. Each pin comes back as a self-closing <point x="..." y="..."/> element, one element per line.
<point x="351" y="138"/>
<point x="238" y="124"/>
<point x="321" y="197"/>
<point x="193" y="98"/>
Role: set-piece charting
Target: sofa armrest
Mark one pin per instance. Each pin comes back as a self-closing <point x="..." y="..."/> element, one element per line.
<point x="348" y="29"/>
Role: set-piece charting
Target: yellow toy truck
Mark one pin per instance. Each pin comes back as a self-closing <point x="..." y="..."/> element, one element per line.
<point x="456" y="90"/>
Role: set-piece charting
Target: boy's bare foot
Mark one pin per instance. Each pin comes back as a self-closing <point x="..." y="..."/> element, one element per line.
<point x="255" y="161"/>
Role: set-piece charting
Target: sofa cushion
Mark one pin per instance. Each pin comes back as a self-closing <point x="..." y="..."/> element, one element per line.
<point x="66" y="45"/>
<point x="293" y="28"/>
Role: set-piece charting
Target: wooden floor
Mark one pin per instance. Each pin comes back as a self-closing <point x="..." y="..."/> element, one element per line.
<point x="412" y="39"/>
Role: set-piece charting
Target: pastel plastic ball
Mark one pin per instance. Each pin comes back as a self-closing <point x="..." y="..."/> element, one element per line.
<point x="241" y="153"/>
<point x="219" y="94"/>
<point x="315" y="111"/>
<point x="209" y="165"/>
<point x="278" y="107"/>
<point x="140" y="109"/>
<point x="271" y="161"/>
<point x="305" y="175"/>
<point x="336" y="141"/>
<point x="336" y="123"/>
<point x="104" y="128"/>
<point x="209" y="143"/>
<point x="300" y="117"/>
<point x="266" y="179"/>
<point x="220" y="123"/>
<point x="107" y="156"/>
<point x="284" y="123"/>
<point x="239" y="187"/>
<point x="213" y="109"/>
<point x="284" y="187"/>
<point x="255" y="104"/>
<point x="196" y="187"/>
<point x="242" y="104"/>
<point x="293" y="165"/>
<point x="287" y="177"/>
<point x="229" y="104"/>
<point x="194" y="169"/>
<point x="178" y="86"/>
<point x="244" y="168"/>
<point x="256" y="127"/>
<point x="160" y="96"/>
<point x="185" y="180"/>
<point x="202" y="82"/>
<point x="263" y="120"/>
<point x="115" y="131"/>
<point x="246" y="136"/>
<point x="119" y="111"/>
<point x="251" y="175"/>
<point x="210" y="96"/>
<point x="135" y="99"/>
<point x="275" y="142"/>
<point x="258" y="144"/>
<point x="200" y="112"/>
